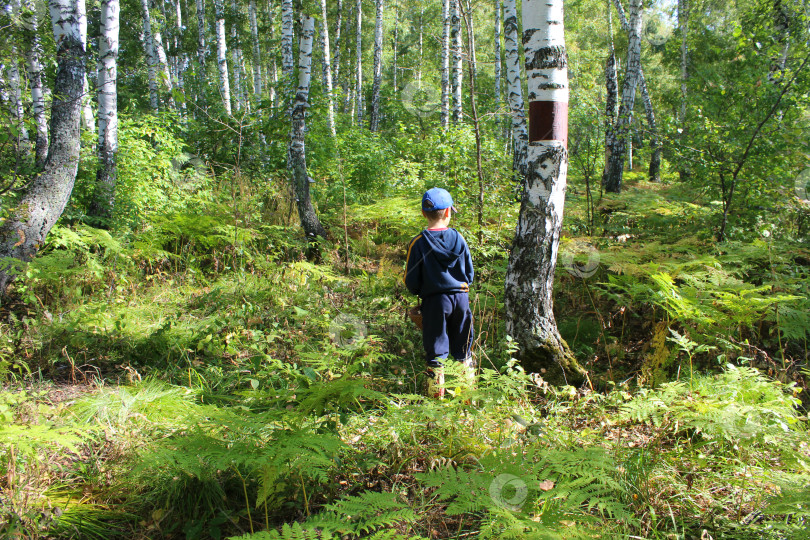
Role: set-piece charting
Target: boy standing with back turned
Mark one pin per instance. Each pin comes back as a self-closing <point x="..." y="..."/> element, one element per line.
<point x="439" y="270"/>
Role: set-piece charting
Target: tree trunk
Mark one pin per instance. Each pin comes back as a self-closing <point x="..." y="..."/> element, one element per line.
<point x="396" y="49"/>
<point x="287" y="58"/>
<point x="498" y="95"/>
<point x="33" y="62"/>
<point x="530" y="274"/>
<point x="163" y="58"/>
<point x="104" y="197"/>
<point x="358" y="90"/>
<point x="24" y="230"/>
<point x="445" y="114"/>
<point x="202" y="48"/>
<point x="181" y="57"/>
<point x="16" y="105"/>
<point x="514" y="88"/>
<point x="338" y="34"/>
<point x="271" y="93"/>
<point x="222" y="56"/>
<point x="683" y="25"/>
<point x="654" y="174"/>
<point x="88" y="119"/>
<point x="614" y="170"/>
<point x="239" y="82"/>
<point x="375" y="92"/>
<point x="151" y="55"/>
<point x="455" y="38"/>
<point x="473" y="69"/>
<point x="298" y="161"/>
<point x="257" y="53"/>
<point x="611" y="104"/>
<point x="327" y="71"/>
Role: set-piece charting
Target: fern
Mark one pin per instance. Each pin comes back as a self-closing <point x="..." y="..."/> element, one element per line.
<point x="363" y="514"/>
<point x="289" y="532"/>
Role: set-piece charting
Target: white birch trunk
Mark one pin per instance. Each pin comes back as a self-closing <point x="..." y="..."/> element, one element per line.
<point x="239" y="82"/>
<point x="202" y="47"/>
<point x="358" y="89"/>
<point x="151" y="55"/>
<point x="338" y="34"/>
<point x="17" y="110"/>
<point x="455" y="38"/>
<point x="445" y="106"/>
<point x="163" y="60"/>
<point x="271" y="92"/>
<point x="396" y="49"/>
<point x="222" y="56"/>
<point x="530" y="274"/>
<point x="180" y="57"/>
<point x="514" y="86"/>
<point x="24" y="230"/>
<point x="683" y="25"/>
<point x="257" y="53"/>
<point x="327" y="70"/>
<point x="298" y="161"/>
<point x="378" y="45"/>
<point x="88" y="119"/>
<point x="614" y="170"/>
<point x="498" y="99"/>
<point x="104" y="199"/>
<point x="287" y="59"/>
<point x="33" y="62"/>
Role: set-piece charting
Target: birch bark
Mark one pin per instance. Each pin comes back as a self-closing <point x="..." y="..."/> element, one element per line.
<point x="257" y="53"/>
<point x="375" y="92"/>
<point x="327" y="70"/>
<point x="530" y="275"/>
<point x="33" y="57"/>
<point x="222" y="56"/>
<point x="614" y="169"/>
<point x="359" y="64"/>
<point x="202" y="48"/>
<point x="300" y="179"/>
<point x="104" y="198"/>
<point x="239" y="81"/>
<point x="498" y="100"/>
<point x="514" y="88"/>
<point x="151" y="55"/>
<point x="15" y="84"/>
<point x="455" y="38"/>
<point x="26" y="227"/>
<point x="445" y="110"/>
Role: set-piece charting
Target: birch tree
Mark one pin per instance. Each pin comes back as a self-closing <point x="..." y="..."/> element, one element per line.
<point x="202" y="47"/>
<point x="257" y="52"/>
<point x="530" y="275"/>
<point x="498" y="54"/>
<point x="27" y="225"/>
<point x="33" y="63"/>
<point x="239" y="82"/>
<point x="338" y="42"/>
<point x="88" y="120"/>
<point x="655" y="139"/>
<point x="222" y="56"/>
<point x="151" y="55"/>
<point x="445" y="107"/>
<point x="378" y="45"/>
<point x="104" y="199"/>
<point x="287" y="58"/>
<point x="327" y="70"/>
<point x="514" y="87"/>
<point x="614" y="169"/>
<point x="358" y="90"/>
<point x="15" y="94"/>
<point x="455" y="38"/>
<point x="298" y="161"/>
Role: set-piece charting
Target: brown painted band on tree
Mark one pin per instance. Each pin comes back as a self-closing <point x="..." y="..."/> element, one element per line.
<point x="548" y="121"/>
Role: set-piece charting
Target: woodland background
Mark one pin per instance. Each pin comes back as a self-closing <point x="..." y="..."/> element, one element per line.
<point x="180" y="359"/>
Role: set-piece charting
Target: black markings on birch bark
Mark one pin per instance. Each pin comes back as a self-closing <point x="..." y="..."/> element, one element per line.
<point x="222" y="58"/>
<point x="24" y="230"/>
<point x="300" y="179"/>
<point x="378" y="45"/>
<point x="514" y="87"/>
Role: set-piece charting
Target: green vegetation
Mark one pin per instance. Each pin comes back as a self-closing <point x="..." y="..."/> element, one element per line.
<point x="189" y="367"/>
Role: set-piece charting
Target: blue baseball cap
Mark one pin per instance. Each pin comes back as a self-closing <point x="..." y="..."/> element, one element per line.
<point x="437" y="199"/>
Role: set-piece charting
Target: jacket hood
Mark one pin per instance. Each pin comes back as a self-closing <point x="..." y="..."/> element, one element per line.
<point x="447" y="245"/>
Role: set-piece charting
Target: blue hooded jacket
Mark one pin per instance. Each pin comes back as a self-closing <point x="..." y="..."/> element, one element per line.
<point x="438" y="262"/>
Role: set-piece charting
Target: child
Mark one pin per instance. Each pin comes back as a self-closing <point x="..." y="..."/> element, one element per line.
<point x="439" y="270"/>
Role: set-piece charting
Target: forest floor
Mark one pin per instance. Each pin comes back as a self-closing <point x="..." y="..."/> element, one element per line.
<point x="203" y="380"/>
